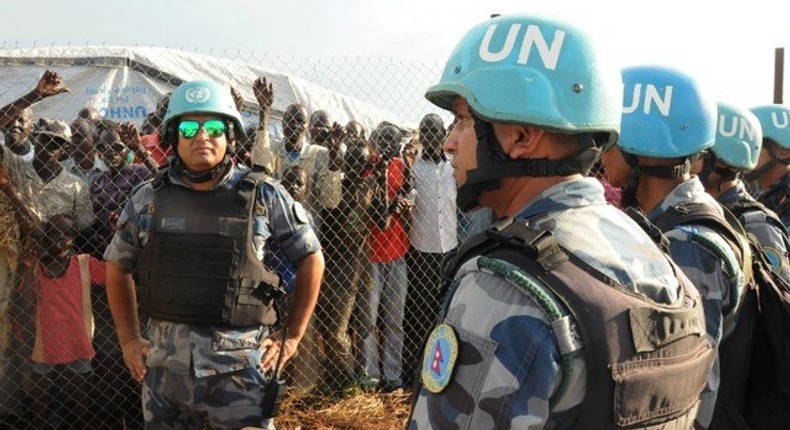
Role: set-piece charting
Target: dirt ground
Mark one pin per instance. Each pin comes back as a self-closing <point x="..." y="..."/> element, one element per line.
<point x="360" y="411"/>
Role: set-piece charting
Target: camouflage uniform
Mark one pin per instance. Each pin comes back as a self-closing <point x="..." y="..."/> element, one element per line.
<point x="707" y="272"/>
<point x="508" y="371"/>
<point x="200" y="373"/>
<point x="775" y="198"/>
<point x="772" y="239"/>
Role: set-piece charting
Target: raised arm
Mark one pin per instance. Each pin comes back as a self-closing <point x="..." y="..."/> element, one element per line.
<point x="50" y="84"/>
<point x="264" y="94"/>
<point x="130" y="137"/>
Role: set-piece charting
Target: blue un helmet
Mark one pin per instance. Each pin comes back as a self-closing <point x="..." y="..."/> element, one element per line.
<point x="739" y="137"/>
<point x="665" y="115"/>
<point x="202" y="97"/>
<point x="197" y="97"/>
<point x="537" y="72"/>
<point x="775" y="123"/>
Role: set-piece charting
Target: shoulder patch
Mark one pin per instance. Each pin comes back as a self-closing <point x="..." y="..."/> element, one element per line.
<point x="438" y="359"/>
<point x="774" y="257"/>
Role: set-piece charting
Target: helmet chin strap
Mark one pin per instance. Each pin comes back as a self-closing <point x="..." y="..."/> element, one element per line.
<point x="709" y="166"/>
<point x="493" y="165"/>
<point x="202" y="176"/>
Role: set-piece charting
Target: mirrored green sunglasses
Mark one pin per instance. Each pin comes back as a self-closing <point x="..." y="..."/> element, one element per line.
<point x="189" y="128"/>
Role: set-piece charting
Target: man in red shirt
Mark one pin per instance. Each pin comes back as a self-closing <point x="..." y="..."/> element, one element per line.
<point x="389" y="244"/>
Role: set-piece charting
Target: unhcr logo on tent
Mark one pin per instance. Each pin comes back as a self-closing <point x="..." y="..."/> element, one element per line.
<point x="116" y="112"/>
<point x="197" y="95"/>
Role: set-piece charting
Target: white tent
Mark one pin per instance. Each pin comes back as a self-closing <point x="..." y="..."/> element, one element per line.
<point x="124" y="83"/>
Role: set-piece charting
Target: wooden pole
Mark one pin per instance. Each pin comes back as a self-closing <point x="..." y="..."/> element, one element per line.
<point x="779" y="73"/>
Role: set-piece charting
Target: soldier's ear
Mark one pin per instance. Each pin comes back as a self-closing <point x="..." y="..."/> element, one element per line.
<point x="519" y="141"/>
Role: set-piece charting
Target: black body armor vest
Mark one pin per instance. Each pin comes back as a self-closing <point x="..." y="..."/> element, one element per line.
<point x="198" y="265"/>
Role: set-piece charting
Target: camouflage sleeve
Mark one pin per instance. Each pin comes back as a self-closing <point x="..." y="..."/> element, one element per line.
<point x="288" y="223"/>
<point x="507" y="365"/>
<point x="132" y="232"/>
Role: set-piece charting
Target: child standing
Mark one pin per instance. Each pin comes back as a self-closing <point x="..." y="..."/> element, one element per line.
<point x="64" y="322"/>
<point x="295" y="182"/>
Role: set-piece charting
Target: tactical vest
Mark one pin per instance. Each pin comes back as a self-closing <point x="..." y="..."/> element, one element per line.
<point x="647" y="363"/>
<point x="198" y="265"/>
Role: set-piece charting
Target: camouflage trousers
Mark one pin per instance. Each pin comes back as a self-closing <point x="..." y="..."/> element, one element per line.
<point x="222" y="402"/>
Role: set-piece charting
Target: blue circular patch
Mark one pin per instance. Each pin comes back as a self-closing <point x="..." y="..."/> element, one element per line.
<point x="438" y="358"/>
<point x="774" y="257"/>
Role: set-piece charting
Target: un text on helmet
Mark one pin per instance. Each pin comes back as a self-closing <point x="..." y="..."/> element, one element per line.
<point x="730" y="125"/>
<point x="651" y="97"/>
<point x="532" y="36"/>
<point x="776" y="120"/>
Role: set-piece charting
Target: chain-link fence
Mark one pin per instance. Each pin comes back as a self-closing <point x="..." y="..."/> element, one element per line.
<point x="353" y="140"/>
<point x="360" y="154"/>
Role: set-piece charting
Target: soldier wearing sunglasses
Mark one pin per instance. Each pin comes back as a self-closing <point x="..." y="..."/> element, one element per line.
<point x="191" y="243"/>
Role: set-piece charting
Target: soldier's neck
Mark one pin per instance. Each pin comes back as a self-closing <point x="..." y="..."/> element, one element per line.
<point x="202" y="186"/>
<point x="653" y="190"/>
<point x="721" y="187"/>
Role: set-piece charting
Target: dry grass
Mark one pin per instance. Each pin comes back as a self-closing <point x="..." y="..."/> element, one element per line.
<point x="361" y="411"/>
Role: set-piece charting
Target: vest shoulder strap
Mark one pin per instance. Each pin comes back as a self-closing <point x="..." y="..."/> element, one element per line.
<point x="249" y="187"/>
<point x="651" y="229"/>
<point x="726" y="225"/>
<point x="539" y="245"/>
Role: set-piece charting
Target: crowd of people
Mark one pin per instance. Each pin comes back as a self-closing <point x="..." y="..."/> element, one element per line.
<point x="198" y="254"/>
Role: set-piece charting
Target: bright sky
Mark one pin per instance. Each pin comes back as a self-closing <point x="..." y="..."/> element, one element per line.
<point x="726" y="44"/>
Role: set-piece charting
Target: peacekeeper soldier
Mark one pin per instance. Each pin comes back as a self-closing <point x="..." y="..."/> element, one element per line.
<point x="737" y="148"/>
<point x="773" y="167"/>
<point x="535" y="332"/>
<point x="667" y="123"/>
<point x="191" y="243"/>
